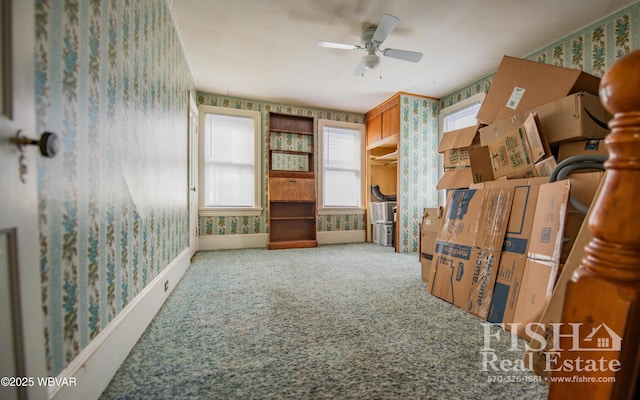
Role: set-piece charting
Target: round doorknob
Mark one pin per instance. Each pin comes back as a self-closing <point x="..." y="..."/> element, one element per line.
<point x="49" y="143"/>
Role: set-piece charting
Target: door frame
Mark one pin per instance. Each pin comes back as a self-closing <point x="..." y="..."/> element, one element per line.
<point x="192" y="184"/>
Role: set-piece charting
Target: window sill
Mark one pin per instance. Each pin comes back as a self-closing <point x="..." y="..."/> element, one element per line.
<point x="341" y="211"/>
<point x="230" y="212"/>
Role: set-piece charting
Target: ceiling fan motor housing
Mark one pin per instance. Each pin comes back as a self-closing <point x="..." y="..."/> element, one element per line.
<point x="371" y="60"/>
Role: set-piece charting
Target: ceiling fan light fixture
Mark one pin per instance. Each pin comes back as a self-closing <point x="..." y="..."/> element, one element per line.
<point x="371" y="61"/>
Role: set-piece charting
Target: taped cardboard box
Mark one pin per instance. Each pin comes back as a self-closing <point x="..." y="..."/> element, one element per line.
<point x="469" y="242"/>
<point x="477" y="217"/>
<point x="543" y="256"/>
<point x="520" y="85"/>
<point x="515" y="246"/>
<point x="575" y="117"/>
<point x="429" y="227"/>
<point x="553" y="310"/>
<point x="582" y="147"/>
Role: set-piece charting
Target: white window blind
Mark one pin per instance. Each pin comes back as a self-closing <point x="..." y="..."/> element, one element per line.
<point x="229" y="162"/>
<point x="342" y="171"/>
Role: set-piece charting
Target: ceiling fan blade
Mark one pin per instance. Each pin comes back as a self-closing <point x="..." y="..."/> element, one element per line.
<point x="412" y="56"/>
<point x="387" y="24"/>
<point x="359" y="71"/>
<point x="334" y="45"/>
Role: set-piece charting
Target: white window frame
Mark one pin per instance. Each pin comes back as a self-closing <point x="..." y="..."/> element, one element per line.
<point x="256" y="208"/>
<point x="444" y="113"/>
<point x="322" y="210"/>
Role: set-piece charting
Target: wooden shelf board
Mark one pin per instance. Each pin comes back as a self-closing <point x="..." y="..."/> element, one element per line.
<point x="288" y="131"/>
<point x="290" y="174"/>
<point x="292" y="244"/>
<point x="387" y="157"/>
<point x="292" y="218"/>
<point x="389" y="141"/>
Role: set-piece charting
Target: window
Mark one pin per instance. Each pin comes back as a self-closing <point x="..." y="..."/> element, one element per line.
<point x="230" y="162"/>
<point x="457" y="116"/>
<point x="341" y="167"/>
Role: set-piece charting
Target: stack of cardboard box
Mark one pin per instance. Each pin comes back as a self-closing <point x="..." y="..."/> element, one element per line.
<point x="506" y="231"/>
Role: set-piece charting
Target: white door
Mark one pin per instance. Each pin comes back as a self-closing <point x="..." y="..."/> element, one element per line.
<point x="21" y="317"/>
<point x="193" y="175"/>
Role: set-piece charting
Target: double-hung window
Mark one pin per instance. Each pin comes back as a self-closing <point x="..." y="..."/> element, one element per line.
<point x="457" y="116"/>
<point x="230" y="161"/>
<point x="341" y="167"/>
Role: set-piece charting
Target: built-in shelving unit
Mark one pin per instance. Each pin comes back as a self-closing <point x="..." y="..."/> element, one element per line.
<point x="292" y="184"/>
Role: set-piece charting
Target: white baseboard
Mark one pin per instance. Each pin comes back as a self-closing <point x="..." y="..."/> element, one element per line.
<point x="335" y="237"/>
<point x="97" y="363"/>
<point x="259" y="240"/>
<point x="221" y="242"/>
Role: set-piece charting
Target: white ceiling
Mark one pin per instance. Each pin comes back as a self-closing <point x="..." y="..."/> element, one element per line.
<point x="266" y="49"/>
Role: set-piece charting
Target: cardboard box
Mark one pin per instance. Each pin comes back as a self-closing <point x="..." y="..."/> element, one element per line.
<point x="546" y="166"/>
<point x="465" y="162"/>
<point x="583" y="189"/>
<point x="514" y="249"/>
<point x="468" y="243"/>
<point x="429" y="227"/>
<point x="520" y="85"/>
<point x="583" y="147"/>
<point x="477" y="217"/>
<point x="543" y="256"/>
<point x="455" y="145"/>
<point x="538" y="281"/>
<point x="553" y="311"/>
<point x="516" y="153"/>
<point x="576" y="117"/>
<point x="507" y="288"/>
<point x="483" y="278"/>
<point x="549" y="221"/>
<point x="451" y="274"/>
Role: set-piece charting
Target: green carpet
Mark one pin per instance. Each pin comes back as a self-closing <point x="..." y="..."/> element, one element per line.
<point x="335" y="322"/>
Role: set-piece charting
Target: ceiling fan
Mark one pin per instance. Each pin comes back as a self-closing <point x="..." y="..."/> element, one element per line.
<point x="371" y="39"/>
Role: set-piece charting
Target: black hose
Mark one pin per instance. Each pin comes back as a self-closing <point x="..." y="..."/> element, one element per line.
<point x="375" y="191"/>
<point x="583" y="161"/>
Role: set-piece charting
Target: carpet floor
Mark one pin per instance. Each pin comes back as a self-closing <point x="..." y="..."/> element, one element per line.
<point x="335" y="322"/>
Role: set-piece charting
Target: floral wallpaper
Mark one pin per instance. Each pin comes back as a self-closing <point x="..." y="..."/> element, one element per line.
<point x="418" y="163"/>
<point x="592" y="49"/>
<point x="112" y="82"/>
<point x="234" y="225"/>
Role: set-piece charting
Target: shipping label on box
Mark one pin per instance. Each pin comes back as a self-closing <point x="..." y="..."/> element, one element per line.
<point x="483" y="279"/>
<point x="520" y="85"/>
<point x="583" y="147"/>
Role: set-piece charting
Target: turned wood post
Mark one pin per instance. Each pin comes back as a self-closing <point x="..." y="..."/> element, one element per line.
<point x="605" y="290"/>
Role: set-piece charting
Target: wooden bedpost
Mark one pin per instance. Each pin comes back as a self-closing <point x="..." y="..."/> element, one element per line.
<point x="604" y="293"/>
